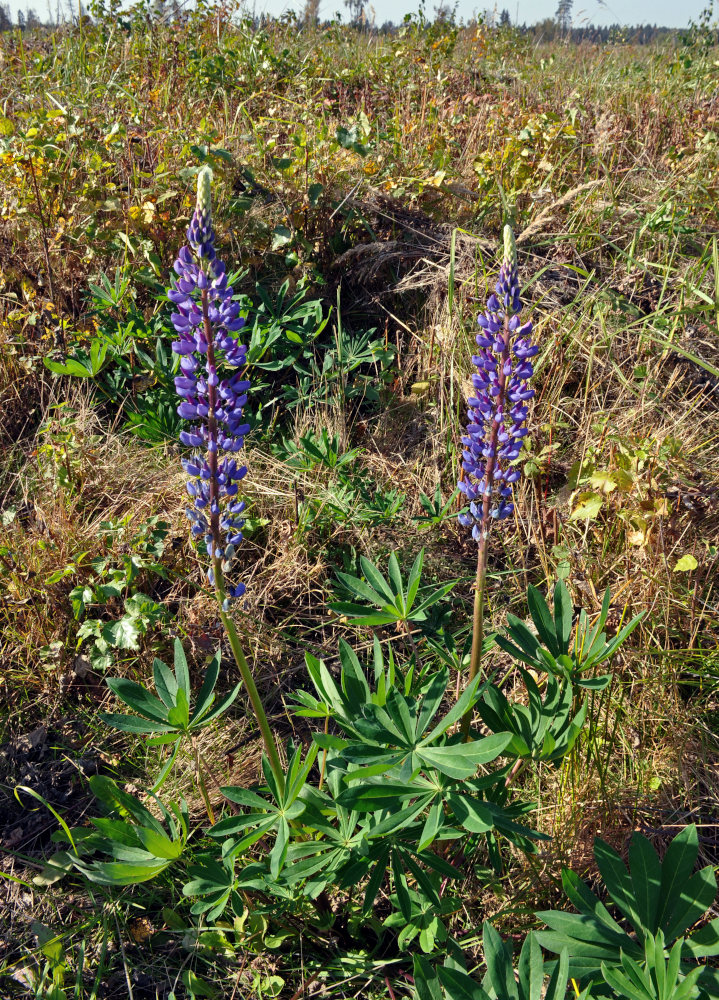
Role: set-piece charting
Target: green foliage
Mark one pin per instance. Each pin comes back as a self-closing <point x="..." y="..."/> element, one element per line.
<point x="436" y="510"/>
<point x="140" y="845"/>
<point x="544" y="729"/>
<point x="550" y="648"/>
<point x="107" y="580"/>
<point x="660" y="901"/>
<point x="171" y="716"/>
<point x="452" y="982"/>
<point x="313" y="451"/>
<point x="397" y="603"/>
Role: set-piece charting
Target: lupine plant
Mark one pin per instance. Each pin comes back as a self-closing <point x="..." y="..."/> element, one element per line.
<point x="406" y="797"/>
<point x="497" y="425"/>
<point x="214" y="391"/>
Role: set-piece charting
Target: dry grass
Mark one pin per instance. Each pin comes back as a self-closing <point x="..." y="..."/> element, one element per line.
<point x="606" y="158"/>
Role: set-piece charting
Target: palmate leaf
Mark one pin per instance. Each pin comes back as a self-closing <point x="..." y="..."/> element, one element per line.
<point x="660" y="900"/>
<point x="551" y="648"/>
<point x="138" y="698"/>
<point x="170" y="713"/>
<point x="461" y="760"/>
<point x="141" y="845"/>
<point x="393" y="600"/>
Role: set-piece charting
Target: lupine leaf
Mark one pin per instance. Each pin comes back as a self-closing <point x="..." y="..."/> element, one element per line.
<point x="395" y="576"/>
<point x="377" y="581"/>
<point x="182" y="672"/>
<point x="677" y="867"/>
<point x="562" y="616"/>
<point x="362" y="589"/>
<point x="617" y="880"/>
<point x="646" y="875"/>
<point x="413" y="582"/>
<point x="400" y="888"/>
<point x="426" y="983"/>
<point x="586" y="902"/>
<point x="165" y="682"/>
<point x="138" y="698"/>
<point x="221" y="706"/>
<point x="499" y="965"/>
<point x="206" y="695"/>
<point x="130" y="724"/>
<point x="542" y="619"/>
<point x="557" y="986"/>
<point x="704" y="943"/>
<point x="530" y="970"/>
<point x="461" y="760"/>
<point x="459" y="986"/>
<point x="697" y="895"/>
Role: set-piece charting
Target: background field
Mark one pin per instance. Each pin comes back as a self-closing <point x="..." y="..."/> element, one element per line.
<point x="361" y="183"/>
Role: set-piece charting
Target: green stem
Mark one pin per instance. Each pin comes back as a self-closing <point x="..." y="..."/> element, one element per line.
<point x="478" y="624"/>
<point x="248" y="680"/>
<point x="245" y="672"/>
<point x="201" y="783"/>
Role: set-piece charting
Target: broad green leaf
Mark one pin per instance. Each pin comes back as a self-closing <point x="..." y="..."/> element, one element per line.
<point x="426" y="983"/>
<point x="563" y="610"/>
<point x="677" y="867"/>
<point x="165" y="682"/>
<point x="122" y="634"/>
<point x="471" y="813"/>
<point x="181" y="670"/>
<point x="704" y="943"/>
<point x="531" y="969"/>
<point x="499" y="964"/>
<point x="618" y="882"/>
<point x="395" y="576"/>
<point x="413" y="582"/>
<point x="646" y="875"/>
<point x="206" y="694"/>
<point x="131" y="724"/>
<point x="557" y="986"/>
<point x="459" y="986"/>
<point x="179" y="715"/>
<point x="377" y="581"/>
<point x="461" y="760"/>
<point x="697" y="895"/>
<point x="587" y="903"/>
<point x="542" y="619"/>
<point x="220" y="707"/>
<point x="159" y="845"/>
<point x="369" y="797"/>
<point x="362" y="589"/>
<point x="138" y="698"/>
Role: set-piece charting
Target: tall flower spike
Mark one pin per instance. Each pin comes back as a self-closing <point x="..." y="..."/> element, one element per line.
<point x="206" y="322"/>
<point x="498" y="413"/>
<point x="213" y="393"/>
<point x="496" y="428"/>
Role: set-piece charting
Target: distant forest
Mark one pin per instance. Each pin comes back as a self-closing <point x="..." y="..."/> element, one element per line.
<point x="558" y="28"/>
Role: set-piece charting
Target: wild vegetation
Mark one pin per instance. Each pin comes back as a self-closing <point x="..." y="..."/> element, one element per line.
<point x="168" y="831"/>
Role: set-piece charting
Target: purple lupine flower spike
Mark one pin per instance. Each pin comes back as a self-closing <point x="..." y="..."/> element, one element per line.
<point x="206" y="321"/>
<point x="497" y="414"/>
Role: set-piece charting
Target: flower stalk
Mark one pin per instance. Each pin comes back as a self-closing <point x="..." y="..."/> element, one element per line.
<point x="206" y="322"/>
<point x="496" y="428"/>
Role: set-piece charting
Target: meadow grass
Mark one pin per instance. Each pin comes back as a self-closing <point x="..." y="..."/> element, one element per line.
<point x="373" y="173"/>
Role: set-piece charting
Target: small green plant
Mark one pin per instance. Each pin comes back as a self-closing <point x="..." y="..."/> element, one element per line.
<point x="436" y="510"/>
<point x="169" y="717"/>
<point x="139" y="845"/>
<point x="551" y="648"/>
<point x="658" y="902"/>
<point x="396" y="603"/>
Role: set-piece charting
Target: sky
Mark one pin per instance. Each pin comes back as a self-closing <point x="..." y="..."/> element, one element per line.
<point x="668" y="13"/>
